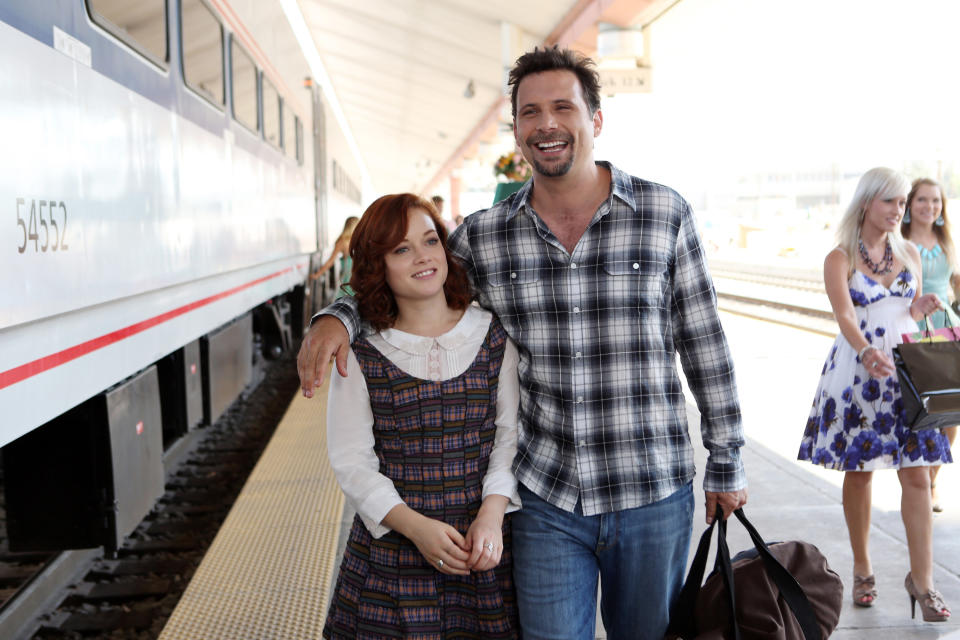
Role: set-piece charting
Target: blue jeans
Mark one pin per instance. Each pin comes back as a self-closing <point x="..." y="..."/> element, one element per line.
<point x="640" y="555"/>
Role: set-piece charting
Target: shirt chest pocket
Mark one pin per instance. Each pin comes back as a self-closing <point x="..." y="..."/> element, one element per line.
<point x="636" y="284"/>
<point x="515" y="291"/>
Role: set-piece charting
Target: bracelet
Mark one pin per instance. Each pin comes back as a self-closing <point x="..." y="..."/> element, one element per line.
<point x="864" y="350"/>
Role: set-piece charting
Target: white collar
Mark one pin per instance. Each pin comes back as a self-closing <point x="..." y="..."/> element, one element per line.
<point x="473" y="321"/>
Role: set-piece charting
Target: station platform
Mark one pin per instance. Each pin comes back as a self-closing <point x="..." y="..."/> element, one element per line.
<point x="269" y="572"/>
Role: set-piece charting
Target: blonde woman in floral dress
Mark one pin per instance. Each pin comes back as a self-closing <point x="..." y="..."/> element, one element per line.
<point x="926" y="225"/>
<point x="856" y="424"/>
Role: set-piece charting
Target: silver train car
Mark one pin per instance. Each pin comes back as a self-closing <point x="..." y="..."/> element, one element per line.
<point x="167" y="195"/>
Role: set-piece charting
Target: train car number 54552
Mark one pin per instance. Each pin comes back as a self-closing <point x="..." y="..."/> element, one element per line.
<point x="54" y="235"/>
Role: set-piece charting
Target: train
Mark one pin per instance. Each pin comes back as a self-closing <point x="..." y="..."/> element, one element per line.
<point x="168" y="193"/>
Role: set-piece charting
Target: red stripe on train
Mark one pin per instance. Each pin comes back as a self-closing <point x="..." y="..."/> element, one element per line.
<point x="24" y="371"/>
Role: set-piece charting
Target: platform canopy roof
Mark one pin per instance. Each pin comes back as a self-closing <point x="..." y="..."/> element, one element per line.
<point x="420" y="82"/>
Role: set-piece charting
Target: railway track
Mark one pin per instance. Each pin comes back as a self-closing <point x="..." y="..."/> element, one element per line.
<point x="132" y="594"/>
<point x="789" y="296"/>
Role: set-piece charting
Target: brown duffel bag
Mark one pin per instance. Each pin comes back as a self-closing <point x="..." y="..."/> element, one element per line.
<point x="784" y="591"/>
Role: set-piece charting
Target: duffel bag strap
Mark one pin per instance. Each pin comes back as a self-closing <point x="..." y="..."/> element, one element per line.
<point x="789" y="588"/>
<point x="682" y="621"/>
<point x="725" y="566"/>
<point x="683" y="616"/>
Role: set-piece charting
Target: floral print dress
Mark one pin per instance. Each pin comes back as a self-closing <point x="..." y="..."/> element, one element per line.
<point x="857" y="422"/>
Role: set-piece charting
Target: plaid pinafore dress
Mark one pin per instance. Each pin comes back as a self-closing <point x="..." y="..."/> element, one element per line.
<point x="433" y="440"/>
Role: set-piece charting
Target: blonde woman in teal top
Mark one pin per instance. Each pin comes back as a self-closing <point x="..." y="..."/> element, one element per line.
<point x="341" y="249"/>
<point x="925" y="223"/>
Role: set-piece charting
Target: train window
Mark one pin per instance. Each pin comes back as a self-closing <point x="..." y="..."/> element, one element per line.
<point x="289" y="131"/>
<point x="243" y="80"/>
<point x="202" y="38"/>
<point x="271" y="112"/>
<point x="142" y="25"/>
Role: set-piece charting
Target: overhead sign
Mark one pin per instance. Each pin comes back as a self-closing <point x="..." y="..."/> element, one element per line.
<point x="635" y="80"/>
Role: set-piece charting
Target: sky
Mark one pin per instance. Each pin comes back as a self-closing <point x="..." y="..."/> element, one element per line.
<point x="741" y="86"/>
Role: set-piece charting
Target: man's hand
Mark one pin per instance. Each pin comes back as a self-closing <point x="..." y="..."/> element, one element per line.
<point x="730" y="502"/>
<point x="326" y="338"/>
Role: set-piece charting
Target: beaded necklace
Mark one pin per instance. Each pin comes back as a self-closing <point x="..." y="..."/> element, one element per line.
<point x="886" y="263"/>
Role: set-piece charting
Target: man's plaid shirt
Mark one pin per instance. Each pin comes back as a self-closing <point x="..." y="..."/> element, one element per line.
<point x="602" y="411"/>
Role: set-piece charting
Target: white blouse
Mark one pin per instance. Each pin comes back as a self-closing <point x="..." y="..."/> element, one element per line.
<point x="350" y="438"/>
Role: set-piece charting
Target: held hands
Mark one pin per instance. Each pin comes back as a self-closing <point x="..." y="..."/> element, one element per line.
<point x="448" y="552"/>
<point x="326" y="338"/>
<point x="444" y="548"/>
<point x="441" y="545"/>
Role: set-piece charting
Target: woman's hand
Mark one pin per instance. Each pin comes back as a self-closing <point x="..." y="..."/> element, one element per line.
<point x="925" y="305"/>
<point x="485" y="542"/>
<point x="877" y="363"/>
<point x="441" y="545"/>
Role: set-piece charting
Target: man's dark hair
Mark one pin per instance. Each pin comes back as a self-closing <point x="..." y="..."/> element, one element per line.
<point x="556" y="59"/>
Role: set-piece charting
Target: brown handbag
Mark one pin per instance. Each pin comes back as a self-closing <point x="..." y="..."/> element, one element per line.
<point x="781" y="591"/>
<point x="929" y="376"/>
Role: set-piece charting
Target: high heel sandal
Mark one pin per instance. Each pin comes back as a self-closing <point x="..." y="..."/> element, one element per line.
<point x="932" y="606"/>
<point x="864" y="587"/>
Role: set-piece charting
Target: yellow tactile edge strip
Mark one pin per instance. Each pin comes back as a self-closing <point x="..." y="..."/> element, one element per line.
<point x="267" y="574"/>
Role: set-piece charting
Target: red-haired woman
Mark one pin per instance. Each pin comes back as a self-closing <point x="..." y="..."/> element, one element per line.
<point x="422" y="436"/>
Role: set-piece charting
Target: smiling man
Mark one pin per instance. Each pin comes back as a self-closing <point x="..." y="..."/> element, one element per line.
<point x="600" y="279"/>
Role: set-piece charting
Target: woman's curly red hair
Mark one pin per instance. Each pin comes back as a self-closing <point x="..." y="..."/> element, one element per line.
<point x="382" y="227"/>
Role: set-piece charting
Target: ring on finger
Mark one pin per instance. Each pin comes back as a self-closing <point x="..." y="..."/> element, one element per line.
<point x="489" y="547"/>
<point x="439" y="564"/>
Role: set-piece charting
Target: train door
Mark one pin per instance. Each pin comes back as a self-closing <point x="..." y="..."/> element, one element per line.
<point x="321" y="288"/>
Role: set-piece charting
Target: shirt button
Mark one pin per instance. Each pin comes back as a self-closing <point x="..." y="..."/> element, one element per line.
<point x="513" y="275"/>
<point x="583" y="443"/>
<point x="578" y="354"/>
<point x="636" y="266"/>
<point x="576" y="309"/>
<point x="573" y="265"/>
<point x="579" y="399"/>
